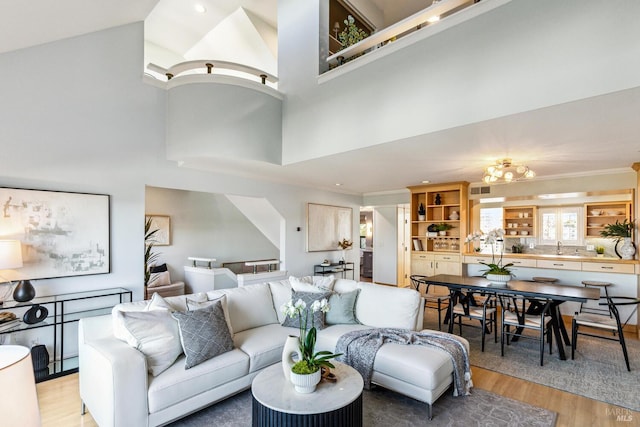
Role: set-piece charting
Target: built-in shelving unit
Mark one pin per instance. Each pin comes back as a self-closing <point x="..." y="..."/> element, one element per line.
<point x="443" y="204"/>
<point x="597" y="215"/>
<point x="519" y="221"/>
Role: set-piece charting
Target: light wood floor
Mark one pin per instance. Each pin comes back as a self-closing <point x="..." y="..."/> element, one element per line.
<point x="60" y="402"/>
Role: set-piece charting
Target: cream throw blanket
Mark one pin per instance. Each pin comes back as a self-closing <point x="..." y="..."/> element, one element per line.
<point x="359" y="350"/>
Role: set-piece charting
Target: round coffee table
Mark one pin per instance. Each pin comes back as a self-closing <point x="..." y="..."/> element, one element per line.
<point x="276" y="403"/>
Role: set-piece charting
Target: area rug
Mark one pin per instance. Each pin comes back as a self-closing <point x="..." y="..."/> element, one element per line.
<point x="597" y="372"/>
<point x="384" y="408"/>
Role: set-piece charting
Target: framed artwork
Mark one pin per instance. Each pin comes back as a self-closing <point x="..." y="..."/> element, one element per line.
<point x="162" y="223"/>
<point x="61" y="234"/>
<point x="327" y="225"/>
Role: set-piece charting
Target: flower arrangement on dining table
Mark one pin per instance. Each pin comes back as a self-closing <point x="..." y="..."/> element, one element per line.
<point x="491" y="238"/>
<point x="310" y="361"/>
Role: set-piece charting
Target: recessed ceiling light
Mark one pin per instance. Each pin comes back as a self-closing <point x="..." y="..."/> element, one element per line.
<point x="338" y="184"/>
<point x="426" y="181"/>
<point x="199" y="8"/>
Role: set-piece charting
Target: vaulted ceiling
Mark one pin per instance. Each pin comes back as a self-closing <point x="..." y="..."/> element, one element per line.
<point x="563" y="139"/>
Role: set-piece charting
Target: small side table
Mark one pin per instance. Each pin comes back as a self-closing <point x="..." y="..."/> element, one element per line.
<point x="275" y="402"/>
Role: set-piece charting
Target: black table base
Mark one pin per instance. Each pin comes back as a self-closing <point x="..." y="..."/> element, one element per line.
<point x="348" y="416"/>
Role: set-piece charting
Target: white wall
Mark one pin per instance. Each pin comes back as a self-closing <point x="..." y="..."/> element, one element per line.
<point x="77" y="117"/>
<point x="466" y="74"/>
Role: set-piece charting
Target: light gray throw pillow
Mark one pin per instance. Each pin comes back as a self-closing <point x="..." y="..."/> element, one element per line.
<point x="204" y="333"/>
<point x="342" y="309"/>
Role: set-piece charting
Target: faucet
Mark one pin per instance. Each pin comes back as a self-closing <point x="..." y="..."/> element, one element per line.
<point x="559" y="251"/>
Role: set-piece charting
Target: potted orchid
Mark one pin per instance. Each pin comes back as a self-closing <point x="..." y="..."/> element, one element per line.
<point x="496" y="273"/>
<point x="305" y="373"/>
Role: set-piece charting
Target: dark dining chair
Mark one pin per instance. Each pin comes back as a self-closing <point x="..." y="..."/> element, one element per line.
<point x="481" y="308"/>
<point x="432" y="300"/>
<point x="526" y="314"/>
<point x="611" y="328"/>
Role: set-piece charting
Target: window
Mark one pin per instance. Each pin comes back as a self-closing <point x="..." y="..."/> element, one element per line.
<point x="560" y="225"/>
<point x="490" y="219"/>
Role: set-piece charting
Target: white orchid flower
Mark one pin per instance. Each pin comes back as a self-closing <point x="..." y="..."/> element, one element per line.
<point x="300" y="305"/>
<point x="315" y="306"/>
<point x="324" y="305"/>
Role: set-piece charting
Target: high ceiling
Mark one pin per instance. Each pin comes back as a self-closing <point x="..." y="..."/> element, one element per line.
<point x="563" y="139"/>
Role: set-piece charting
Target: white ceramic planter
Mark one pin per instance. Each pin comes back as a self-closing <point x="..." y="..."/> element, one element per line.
<point x="306" y="383"/>
<point x="498" y="280"/>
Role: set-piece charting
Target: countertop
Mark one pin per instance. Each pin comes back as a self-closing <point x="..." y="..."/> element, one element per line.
<point x="558" y="257"/>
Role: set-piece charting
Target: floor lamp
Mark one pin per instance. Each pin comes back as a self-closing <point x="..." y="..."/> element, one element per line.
<point x="19" y="406"/>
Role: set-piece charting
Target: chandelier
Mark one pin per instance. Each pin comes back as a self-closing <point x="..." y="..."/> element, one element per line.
<point x="505" y="171"/>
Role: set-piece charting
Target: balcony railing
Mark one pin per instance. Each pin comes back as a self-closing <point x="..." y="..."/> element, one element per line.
<point x="432" y="15"/>
<point x="192" y="67"/>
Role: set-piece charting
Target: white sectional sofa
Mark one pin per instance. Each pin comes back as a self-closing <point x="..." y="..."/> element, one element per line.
<point x="118" y="390"/>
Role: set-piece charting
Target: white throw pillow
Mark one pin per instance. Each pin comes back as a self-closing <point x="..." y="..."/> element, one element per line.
<point x="157" y="302"/>
<point x="155" y="334"/>
<point x="159" y="279"/>
<point x="281" y="294"/>
<point x="324" y="282"/>
<point x="250" y="306"/>
<point x="315" y="284"/>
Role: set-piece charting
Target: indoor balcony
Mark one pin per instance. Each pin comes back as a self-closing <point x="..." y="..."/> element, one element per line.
<point x="206" y="99"/>
<point x="440" y="15"/>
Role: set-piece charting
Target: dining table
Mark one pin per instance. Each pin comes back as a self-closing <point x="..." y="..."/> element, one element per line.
<point x="557" y="293"/>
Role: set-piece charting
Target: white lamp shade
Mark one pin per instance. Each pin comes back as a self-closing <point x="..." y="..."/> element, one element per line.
<point x="19" y="406"/>
<point x="10" y="254"/>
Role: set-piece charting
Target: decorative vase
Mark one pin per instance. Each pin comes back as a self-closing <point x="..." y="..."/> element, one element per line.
<point x="306" y="383"/>
<point x="628" y="249"/>
<point x="24" y="291"/>
<point x="421" y="217"/>
<point x="442" y="233"/>
<point x="454" y="216"/>
<point x="291" y="347"/>
<point x="498" y="280"/>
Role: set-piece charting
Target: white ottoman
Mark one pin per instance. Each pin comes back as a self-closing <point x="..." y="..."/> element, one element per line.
<point x="421" y="372"/>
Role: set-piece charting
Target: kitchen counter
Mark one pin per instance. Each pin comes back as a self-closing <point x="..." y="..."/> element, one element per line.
<point x="553" y="257"/>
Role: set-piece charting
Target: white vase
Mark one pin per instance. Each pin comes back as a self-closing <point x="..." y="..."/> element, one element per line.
<point x="291" y="347"/>
<point x="627" y="250"/>
<point x="442" y="233"/>
<point x="306" y="383"/>
<point x="498" y="280"/>
<point x="421" y="217"/>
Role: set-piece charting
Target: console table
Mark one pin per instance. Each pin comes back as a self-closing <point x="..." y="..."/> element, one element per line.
<point x="64" y="309"/>
<point x="342" y="269"/>
<point x="276" y="403"/>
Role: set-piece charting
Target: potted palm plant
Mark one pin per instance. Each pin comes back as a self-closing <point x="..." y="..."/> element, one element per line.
<point x="149" y="256"/>
<point x="621" y="231"/>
